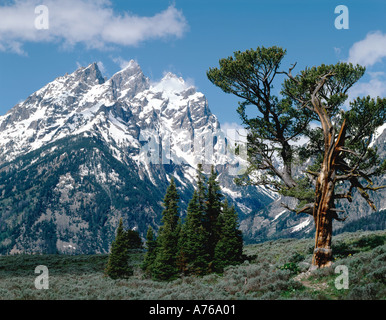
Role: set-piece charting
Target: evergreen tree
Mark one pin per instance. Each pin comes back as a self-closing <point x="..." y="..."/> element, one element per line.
<point x="182" y="261"/>
<point x="165" y="264"/>
<point x="201" y="189"/>
<point x="212" y="211"/>
<point x="195" y="238"/>
<point x="229" y="248"/>
<point x="151" y="246"/>
<point x="133" y="239"/>
<point x="118" y="263"/>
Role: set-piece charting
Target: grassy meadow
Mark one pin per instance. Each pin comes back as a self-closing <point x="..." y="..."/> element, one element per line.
<point x="275" y="270"/>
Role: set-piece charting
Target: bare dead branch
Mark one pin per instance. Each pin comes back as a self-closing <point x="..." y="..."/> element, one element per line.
<point x="312" y="173"/>
<point x="341" y="149"/>
<point x="336" y="217"/>
<point x="337" y="210"/>
<point x="346" y="176"/>
<point x="347" y="196"/>
<point x="374" y="188"/>
<point x="308" y="208"/>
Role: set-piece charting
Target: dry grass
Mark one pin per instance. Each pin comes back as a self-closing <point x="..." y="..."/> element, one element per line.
<point x="273" y="274"/>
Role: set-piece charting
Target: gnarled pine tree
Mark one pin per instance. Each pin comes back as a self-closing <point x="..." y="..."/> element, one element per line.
<point x="339" y="140"/>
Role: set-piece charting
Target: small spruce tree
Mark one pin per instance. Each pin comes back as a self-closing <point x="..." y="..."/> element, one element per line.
<point x="151" y="246"/>
<point x="182" y="261"/>
<point x="165" y="264"/>
<point x="201" y="189"/>
<point x="195" y="239"/>
<point x="212" y="212"/>
<point x="133" y="239"/>
<point x="229" y="248"/>
<point x="118" y="262"/>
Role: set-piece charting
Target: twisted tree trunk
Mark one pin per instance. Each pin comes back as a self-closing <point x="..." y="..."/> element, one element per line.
<point x="324" y="208"/>
<point x="323" y="220"/>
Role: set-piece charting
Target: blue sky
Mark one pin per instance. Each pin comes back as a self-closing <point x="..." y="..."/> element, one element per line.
<point x="186" y="37"/>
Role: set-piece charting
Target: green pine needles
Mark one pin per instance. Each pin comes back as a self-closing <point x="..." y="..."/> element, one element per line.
<point x="206" y="241"/>
<point x="118" y="265"/>
<point x="164" y="266"/>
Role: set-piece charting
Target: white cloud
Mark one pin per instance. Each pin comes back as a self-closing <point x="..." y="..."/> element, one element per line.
<point x="89" y="22"/>
<point x="170" y="83"/>
<point x="370" y="50"/>
<point x="375" y="87"/>
<point x="121" y="62"/>
<point x="101" y="67"/>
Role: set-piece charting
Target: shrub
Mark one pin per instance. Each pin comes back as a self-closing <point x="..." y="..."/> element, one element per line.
<point x="291" y="266"/>
<point x="370" y="242"/>
<point x="370" y="291"/>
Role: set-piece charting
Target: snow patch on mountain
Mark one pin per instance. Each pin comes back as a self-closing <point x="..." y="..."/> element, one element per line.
<point x="301" y="225"/>
<point x="378" y="133"/>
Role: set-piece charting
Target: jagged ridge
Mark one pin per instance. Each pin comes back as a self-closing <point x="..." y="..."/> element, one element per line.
<point x="75" y="148"/>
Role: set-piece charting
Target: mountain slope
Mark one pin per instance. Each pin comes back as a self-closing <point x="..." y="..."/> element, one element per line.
<point x="84" y="151"/>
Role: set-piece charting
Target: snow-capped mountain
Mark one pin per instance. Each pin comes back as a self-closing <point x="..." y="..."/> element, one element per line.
<point x="83" y="151"/>
<point x="125" y="111"/>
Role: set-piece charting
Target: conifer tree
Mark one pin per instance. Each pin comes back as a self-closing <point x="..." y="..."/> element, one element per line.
<point x="201" y="189"/>
<point x="212" y="211"/>
<point x="118" y="263"/>
<point x="195" y="241"/>
<point x="182" y="261"/>
<point x="151" y="246"/>
<point x="133" y="239"/>
<point x="165" y="264"/>
<point x="229" y="248"/>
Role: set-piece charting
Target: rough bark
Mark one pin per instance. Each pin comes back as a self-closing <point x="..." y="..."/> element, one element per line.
<point x="325" y="197"/>
<point x="325" y="184"/>
<point x="323" y="222"/>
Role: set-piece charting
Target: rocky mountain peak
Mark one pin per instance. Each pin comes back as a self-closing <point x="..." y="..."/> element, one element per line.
<point x="89" y="75"/>
<point x="129" y="81"/>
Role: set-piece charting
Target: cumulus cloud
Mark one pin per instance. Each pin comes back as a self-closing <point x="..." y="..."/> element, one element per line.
<point x="370" y="50"/>
<point x="375" y="87"/>
<point x="121" y="62"/>
<point x="90" y="22"/>
<point x="101" y="67"/>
